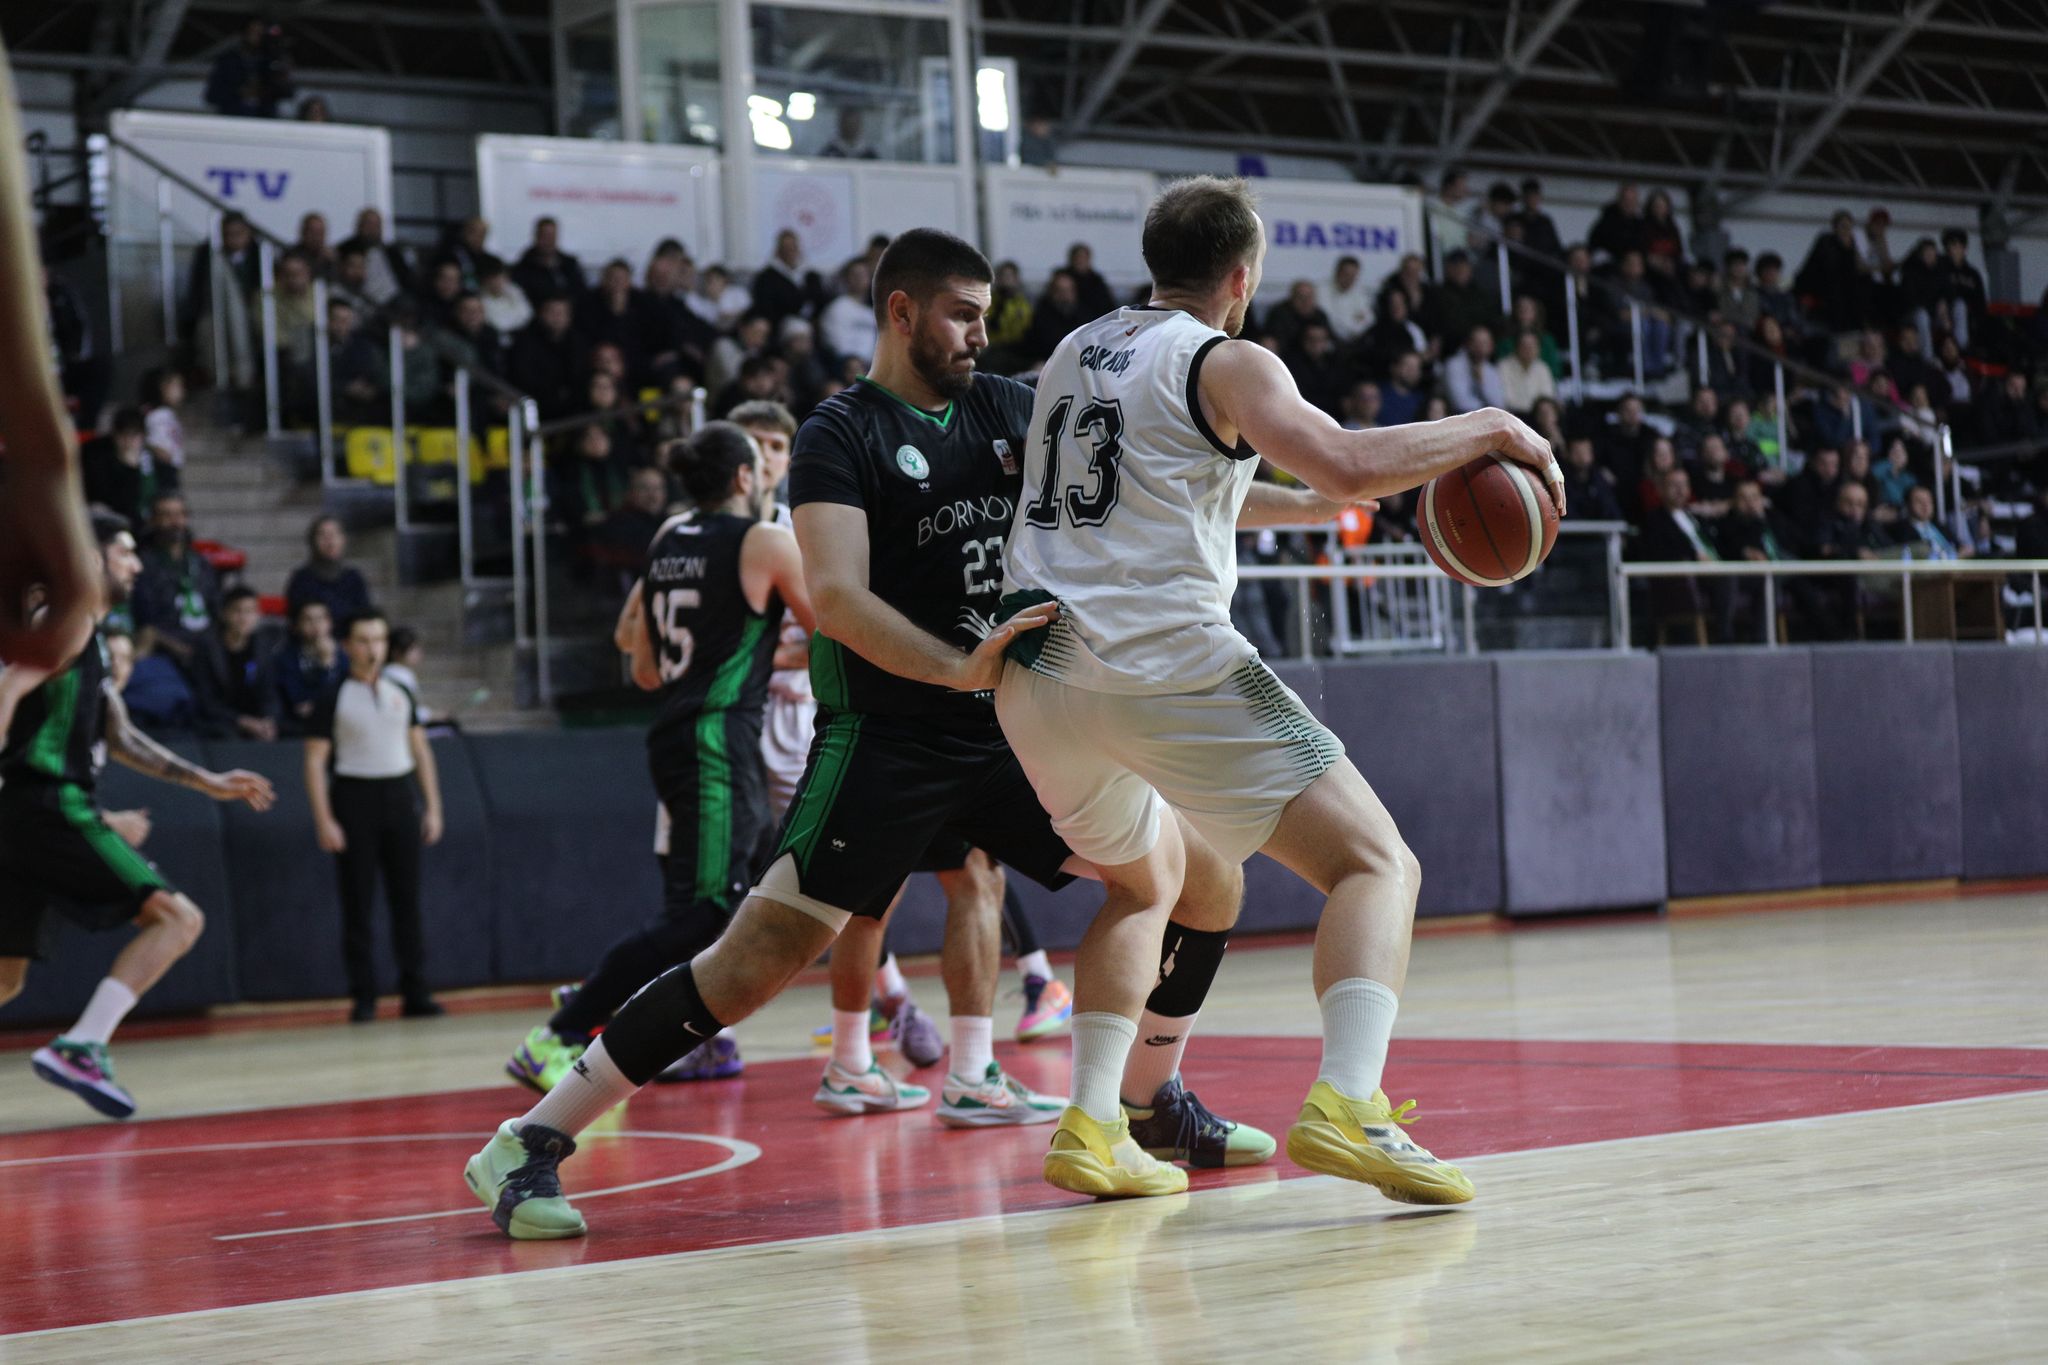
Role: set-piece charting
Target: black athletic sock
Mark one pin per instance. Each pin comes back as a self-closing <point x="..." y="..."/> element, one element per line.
<point x="659" y="1026"/>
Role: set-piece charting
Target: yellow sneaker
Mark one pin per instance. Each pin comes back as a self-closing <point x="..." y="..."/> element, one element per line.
<point x="1362" y="1140"/>
<point x="1101" y="1159"/>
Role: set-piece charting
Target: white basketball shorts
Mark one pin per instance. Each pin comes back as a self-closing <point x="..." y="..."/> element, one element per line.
<point x="785" y="745"/>
<point x="1229" y="758"/>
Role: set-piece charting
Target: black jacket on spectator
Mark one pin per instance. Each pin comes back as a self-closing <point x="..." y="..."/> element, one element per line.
<point x="779" y="294"/>
<point x="179" y="597"/>
<point x="113" y="484"/>
<point x="1049" y="327"/>
<point x="1460" y="308"/>
<point x="234" y="683"/>
<point x="1841" y="538"/>
<point x="1808" y="502"/>
<point x="342" y="588"/>
<point x="1615" y="233"/>
<point x="1963" y="282"/>
<point x="1591" y="498"/>
<point x="1539" y="232"/>
<point x="1094" y="294"/>
<point x="2000" y="420"/>
<point x="1322" y="382"/>
<point x="1834" y="277"/>
<point x="600" y="325"/>
<point x="1736" y="534"/>
<point x="395" y="258"/>
<point x="539" y="278"/>
<point x="1662" y="540"/>
<point x="550" y="368"/>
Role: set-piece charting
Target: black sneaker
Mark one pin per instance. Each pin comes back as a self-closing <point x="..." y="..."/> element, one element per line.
<point x="1179" y="1127"/>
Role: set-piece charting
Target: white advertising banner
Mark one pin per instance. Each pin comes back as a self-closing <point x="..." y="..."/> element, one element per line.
<point x="1312" y="223"/>
<point x="610" y="198"/>
<point x="1035" y="215"/>
<point x="275" y="171"/>
<point x="835" y="206"/>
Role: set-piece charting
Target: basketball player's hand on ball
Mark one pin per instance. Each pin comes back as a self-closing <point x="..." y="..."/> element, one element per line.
<point x="1519" y="441"/>
<point x="984" y="667"/>
<point x="245" y="786"/>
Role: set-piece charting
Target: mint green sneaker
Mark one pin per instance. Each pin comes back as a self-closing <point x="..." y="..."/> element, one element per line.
<point x="845" y="1093"/>
<point x="542" y="1060"/>
<point x="515" y="1177"/>
<point x="993" y="1101"/>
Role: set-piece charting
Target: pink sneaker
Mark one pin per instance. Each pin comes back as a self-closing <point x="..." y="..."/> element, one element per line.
<point x="1048" y="1005"/>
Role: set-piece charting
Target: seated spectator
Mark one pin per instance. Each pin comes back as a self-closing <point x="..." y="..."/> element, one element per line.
<point x="1619" y="228"/>
<point x="1632" y="288"/>
<point x="1835" y="417"/>
<point x="850" y="329"/>
<point x="1753" y="530"/>
<point x="1524" y="378"/>
<point x="1662" y="238"/>
<point x="1728" y="366"/>
<point x="2031" y="536"/>
<point x="588" y="487"/>
<point x="2006" y="416"/>
<point x="362" y="386"/>
<point x="420" y="365"/>
<point x="351" y="282"/>
<point x="1649" y="490"/>
<point x="1360" y="410"/>
<point x="1588" y="489"/>
<point x="1769" y="464"/>
<point x="1701" y="416"/>
<point x="314" y="246"/>
<point x="1295" y="314"/>
<point x="325" y="577"/>
<point x="163" y="431"/>
<point x="1091" y="291"/>
<point x="544" y="270"/>
<point x="444" y="286"/>
<point x="548" y="359"/>
<point x="1350" y="302"/>
<point x="1736" y="298"/>
<point x="718" y="300"/>
<point x="308" y="666"/>
<point x="1714" y="475"/>
<point x="785" y="285"/>
<point x="1410" y="280"/>
<point x="619" y="547"/>
<point x="1391" y="333"/>
<point x="1921" y="286"/>
<point x="1624" y="443"/>
<point x="749" y="341"/>
<point x="1921" y="426"/>
<point x="402" y="666"/>
<point x="237" y="687"/>
<point x="464" y="245"/>
<point x="292" y="302"/>
<point x="1672" y="535"/>
<point x="1057" y="312"/>
<point x="1774" y="300"/>
<point x="797" y="347"/>
<point x="1403" y="395"/>
<point x="177" y="595"/>
<point x="1808" y="498"/>
<point x="1918" y="530"/>
<point x="1869" y="357"/>
<point x="117" y="468"/>
<point x="388" y="270"/>
<point x="1546" y="415"/>
<point x="159" y="694"/>
<point x="506" y="306"/>
<point x="1471" y="378"/>
<point x="623" y="419"/>
<point x="250" y="79"/>
<point x="1538" y="230"/>
<point x="1892" y="479"/>
<point x="1734" y="430"/>
<point x="1312" y="360"/>
<point x="1909" y="364"/>
<point x="470" y="342"/>
<point x="760" y="379"/>
<point x="1462" y="303"/>
<point x="1846" y="534"/>
<point x="1529" y="316"/>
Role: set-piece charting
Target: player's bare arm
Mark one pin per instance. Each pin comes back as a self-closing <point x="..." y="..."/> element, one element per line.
<point x="45" y="543"/>
<point x="133" y="749"/>
<point x="771" y="563"/>
<point x="1247" y="392"/>
<point x="630" y="635"/>
<point x="834" y="540"/>
<point x="1268" y="504"/>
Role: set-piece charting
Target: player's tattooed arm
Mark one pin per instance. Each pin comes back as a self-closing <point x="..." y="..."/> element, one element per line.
<point x="134" y="749"/>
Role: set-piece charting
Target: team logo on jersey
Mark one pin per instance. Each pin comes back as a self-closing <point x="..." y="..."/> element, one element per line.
<point x="1008" y="460"/>
<point x="911" y="461"/>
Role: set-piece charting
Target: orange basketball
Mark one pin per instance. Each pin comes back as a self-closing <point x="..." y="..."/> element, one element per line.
<point x="1488" y="523"/>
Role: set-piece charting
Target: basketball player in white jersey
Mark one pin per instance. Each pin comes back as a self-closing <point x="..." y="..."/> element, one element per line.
<point x="1145" y="434"/>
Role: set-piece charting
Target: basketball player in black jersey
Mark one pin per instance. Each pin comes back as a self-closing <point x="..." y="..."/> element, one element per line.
<point x="58" y="853"/>
<point x="904" y="488"/>
<point x="701" y="629"/>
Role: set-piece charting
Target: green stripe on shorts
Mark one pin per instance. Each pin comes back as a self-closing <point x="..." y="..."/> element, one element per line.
<point x="131" y="867"/>
<point x="820" y="790"/>
<point x="1311" y="748"/>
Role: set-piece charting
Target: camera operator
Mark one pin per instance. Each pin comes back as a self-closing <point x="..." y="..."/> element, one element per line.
<point x="251" y="80"/>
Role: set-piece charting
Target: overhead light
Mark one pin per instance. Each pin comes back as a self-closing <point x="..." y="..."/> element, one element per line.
<point x="802" y="105"/>
<point x="992" y="98"/>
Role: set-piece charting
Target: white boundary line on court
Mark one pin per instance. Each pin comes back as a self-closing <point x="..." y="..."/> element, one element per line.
<point x="869" y="1234"/>
<point x="739" y="1153"/>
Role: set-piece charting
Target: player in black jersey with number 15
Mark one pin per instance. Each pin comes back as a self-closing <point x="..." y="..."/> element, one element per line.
<point x="701" y="629"/>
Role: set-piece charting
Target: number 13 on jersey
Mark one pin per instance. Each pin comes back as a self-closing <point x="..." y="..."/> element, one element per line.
<point x="1097" y="434"/>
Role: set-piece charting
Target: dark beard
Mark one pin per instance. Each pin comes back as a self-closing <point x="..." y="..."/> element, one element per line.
<point x="934" y="365"/>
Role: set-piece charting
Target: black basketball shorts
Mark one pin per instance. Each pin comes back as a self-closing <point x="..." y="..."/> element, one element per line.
<point x="57" y="855"/>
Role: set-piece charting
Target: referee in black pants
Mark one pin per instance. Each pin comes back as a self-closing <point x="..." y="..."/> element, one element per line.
<point x="364" y="745"/>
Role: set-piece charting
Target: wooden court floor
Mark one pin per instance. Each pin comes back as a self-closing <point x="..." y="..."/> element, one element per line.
<point x="1802" y="1135"/>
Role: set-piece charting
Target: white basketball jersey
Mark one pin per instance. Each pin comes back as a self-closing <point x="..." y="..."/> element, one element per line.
<point x="1129" y="512"/>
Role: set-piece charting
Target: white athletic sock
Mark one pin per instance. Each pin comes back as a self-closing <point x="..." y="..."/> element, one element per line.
<point x="889" y="979"/>
<point x="1155" y="1057"/>
<point x="1358" y="1022"/>
<point x="1101" y="1043"/>
<point x="583" y="1096"/>
<point x="1035" y="964"/>
<point x="850" y="1044"/>
<point x="974" y="1045"/>
<point x="109" y="1005"/>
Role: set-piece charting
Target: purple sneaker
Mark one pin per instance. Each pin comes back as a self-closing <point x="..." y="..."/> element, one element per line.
<point x="86" y="1071"/>
<point x="713" y="1060"/>
<point x="917" y="1036"/>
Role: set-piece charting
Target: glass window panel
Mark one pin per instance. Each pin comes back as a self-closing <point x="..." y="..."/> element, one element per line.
<point x="830" y="83"/>
<point x="679" y="80"/>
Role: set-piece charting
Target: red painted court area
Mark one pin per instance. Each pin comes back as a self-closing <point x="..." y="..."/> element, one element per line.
<point x="121" y="1221"/>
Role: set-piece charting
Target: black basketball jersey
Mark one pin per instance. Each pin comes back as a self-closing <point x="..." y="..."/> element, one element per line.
<point x="714" y="651"/>
<point x="58" y="730"/>
<point x="939" y="490"/>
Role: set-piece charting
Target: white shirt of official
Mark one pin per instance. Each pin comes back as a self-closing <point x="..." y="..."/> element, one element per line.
<point x="372" y="728"/>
